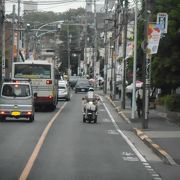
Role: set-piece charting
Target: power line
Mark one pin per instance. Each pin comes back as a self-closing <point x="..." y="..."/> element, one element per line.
<point x="45" y="2"/>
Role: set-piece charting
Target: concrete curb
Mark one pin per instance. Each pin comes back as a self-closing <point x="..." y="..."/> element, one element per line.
<point x="118" y="109"/>
<point x="156" y="148"/>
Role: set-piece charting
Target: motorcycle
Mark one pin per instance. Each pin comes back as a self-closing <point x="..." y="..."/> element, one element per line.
<point x="90" y="111"/>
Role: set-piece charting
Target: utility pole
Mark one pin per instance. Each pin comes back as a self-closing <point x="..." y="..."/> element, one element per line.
<point x="2" y="11"/>
<point x="106" y="47"/>
<point x="18" y="30"/>
<point x="86" y="70"/>
<point x="12" y="40"/>
<point x="68" y="46"/>
<point x="125" y="12"/>
<point x="79" y="54"/>
<point x="95" y="39"/>
<point x="116" y="44"/>
<point x="145" y="70"/>
<point x="134" y="64"/>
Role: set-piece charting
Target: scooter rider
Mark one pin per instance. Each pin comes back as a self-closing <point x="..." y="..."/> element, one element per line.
<point x="90" y="96"/>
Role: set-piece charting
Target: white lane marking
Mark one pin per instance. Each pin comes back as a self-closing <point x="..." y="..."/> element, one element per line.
<point x="106" y="120"/>
<point x="113" y="132"/>
<point x="139" y="155"/>
<point x="127" y="154"/>
<point x="129" y="157"/>
<point x="146" y="164"/>
<point x="30" y="163"/>
<point x="132" y="159"/>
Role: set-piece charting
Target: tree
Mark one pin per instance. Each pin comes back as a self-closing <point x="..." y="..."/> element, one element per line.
<point x="166" y="63"/>
<point x="37" y="19"/>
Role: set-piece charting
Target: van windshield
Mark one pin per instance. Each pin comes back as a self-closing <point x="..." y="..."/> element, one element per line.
<point x="16" y="90"/>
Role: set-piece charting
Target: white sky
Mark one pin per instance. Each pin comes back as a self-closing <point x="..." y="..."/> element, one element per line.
<point x="60" y="7"/>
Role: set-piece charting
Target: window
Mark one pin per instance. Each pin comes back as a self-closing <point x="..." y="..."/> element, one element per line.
<point x="34" y="71"/>
<point x="16" y="90"/>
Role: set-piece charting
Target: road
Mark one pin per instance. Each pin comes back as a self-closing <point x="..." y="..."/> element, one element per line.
<point x="58" y="145"/>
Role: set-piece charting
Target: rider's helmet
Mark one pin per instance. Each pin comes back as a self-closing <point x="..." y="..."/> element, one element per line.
<point x="91" y="89"/>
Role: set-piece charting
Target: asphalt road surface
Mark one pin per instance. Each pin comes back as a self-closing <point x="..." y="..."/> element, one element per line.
<point x="59" y="146"/>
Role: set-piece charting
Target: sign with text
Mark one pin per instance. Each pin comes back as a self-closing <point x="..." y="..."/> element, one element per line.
<point x="162" y="20"/>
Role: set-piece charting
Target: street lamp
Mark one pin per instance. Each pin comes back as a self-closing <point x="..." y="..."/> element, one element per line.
<point x="27" y="41"/>
<point x="69" y="36"/>
<point x="112" y="68"/>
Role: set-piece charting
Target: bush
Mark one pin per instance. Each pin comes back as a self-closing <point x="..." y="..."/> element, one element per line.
<point x="171" y="102"/>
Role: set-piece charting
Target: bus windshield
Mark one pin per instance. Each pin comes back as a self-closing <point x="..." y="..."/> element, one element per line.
<point x="33" y="71"/>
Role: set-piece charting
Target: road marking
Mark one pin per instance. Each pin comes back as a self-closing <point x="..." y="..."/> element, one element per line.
<point x="142" y="159"/>
<point x="30" y="163"/>
<point x="129" y="157"/>
<point x="134" y="149"/>
<point x="127" y="154"/>
<point x="113" y="132"/>
<point x="106" y="120"/>
<point x="132" y="159"/>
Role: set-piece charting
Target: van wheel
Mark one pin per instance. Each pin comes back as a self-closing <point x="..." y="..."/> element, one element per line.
<point x="95" y="120"/>
<point x="68" y="99"/>
<point x="52" y="107"/>
<point x="84" y="119"/>
<point x="31" y="118"/>
<point x="2" y="119"/>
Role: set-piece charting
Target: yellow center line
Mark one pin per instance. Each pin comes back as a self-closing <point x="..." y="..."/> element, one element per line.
<point x="38" y="146"/>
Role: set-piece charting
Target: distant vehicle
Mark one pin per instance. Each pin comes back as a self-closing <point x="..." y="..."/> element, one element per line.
<point x="44" y="77"/>
<point x="16" y="100"/>
<point x="72" y="81"/>
<point x="63" y="90"/>
<point x="82" y="85"/>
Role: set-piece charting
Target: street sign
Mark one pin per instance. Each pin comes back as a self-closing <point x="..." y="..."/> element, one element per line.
<point x="162" y="20"/>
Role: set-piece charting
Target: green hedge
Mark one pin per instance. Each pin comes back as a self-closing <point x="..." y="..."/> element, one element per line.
<point x="171" y="102"/>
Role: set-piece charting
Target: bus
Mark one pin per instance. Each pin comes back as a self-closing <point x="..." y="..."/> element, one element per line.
<point x="44" y="78"/>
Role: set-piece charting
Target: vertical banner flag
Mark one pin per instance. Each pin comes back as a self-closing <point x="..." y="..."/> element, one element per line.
<point x="15" y="45"/>
<point x="154" y="34"/>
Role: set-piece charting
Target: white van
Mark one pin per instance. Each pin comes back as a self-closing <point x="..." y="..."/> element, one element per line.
<point x="16" y="101"/>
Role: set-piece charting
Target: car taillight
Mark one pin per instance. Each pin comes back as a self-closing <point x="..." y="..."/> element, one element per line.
<point x="49" y="82"/>
<point x="50" y="97"/>
<point x="2" y="112"/>
<point x="29" y="113"/>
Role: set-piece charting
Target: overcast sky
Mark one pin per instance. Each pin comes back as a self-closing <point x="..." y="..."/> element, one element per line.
<point x="60" y="7"/>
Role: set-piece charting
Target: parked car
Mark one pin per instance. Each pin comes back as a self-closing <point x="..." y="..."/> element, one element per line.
<point x="17" y="100"/>
<point x="63" y="90"/>
<point x="82" y="85"/>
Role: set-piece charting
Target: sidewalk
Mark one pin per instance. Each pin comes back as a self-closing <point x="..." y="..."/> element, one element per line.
<point x="162" y="135"/>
